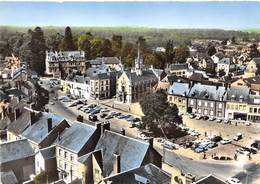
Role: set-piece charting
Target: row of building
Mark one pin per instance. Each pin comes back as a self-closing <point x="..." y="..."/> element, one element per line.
<point x="234" y="102"/>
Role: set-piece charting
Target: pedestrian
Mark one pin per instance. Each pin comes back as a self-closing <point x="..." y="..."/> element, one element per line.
<point x="235" y="156"/>
<point x="212" y="155"/>
<point x="249" y="156"/>
<point x="204" y="155"/>
<point x="205" y="134"/>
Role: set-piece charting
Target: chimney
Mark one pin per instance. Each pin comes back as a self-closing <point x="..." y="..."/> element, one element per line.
<point x="33" y="115"/>
<point x="49" y="122"/>
<point x="122" y="131"/>
<point x="16" y="114"/>
<point x="151" y="142"/>
<point x="116" y="164"/>
<point x="105" y="126"/>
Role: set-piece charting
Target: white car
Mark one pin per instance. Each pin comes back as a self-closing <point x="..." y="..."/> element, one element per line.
<point x="234" y="181"/>
<point x="142" y="137"/>
<point x="248" y="123"/>
<point x="51" y="103"/>
<point x="225" y="141"/>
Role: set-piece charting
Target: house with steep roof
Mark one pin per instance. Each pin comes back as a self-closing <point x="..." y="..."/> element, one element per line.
<point x="207" y="100"/>
<point x="210" y="179"/>
<point x="145" y="174"/>
<point x="236" y="103"/>
<point x="178" y="95"/>
<point x="17" y="156"/>
<point x="76" y="141"/>
<point x="45" y="129"/>
<point x="252" y="68"/>
<point x="178" y="69"/>
<point x="45" y="160"/>
<point x="111" y="62"/>
<point x="120" y="153"/>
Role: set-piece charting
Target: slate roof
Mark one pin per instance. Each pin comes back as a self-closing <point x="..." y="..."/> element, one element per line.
<point x="48" y="152"/>
<point x="179" y="88"/>
<point x="21" y="123"/>
<point x="4" y="123"/>
<point x="148" y="173"/>
<point x="15" y="92"/>
<point x="76" y="136"/>
<point x="131" y="151"/>
<point x="85" y="157"/>
<point x="236" y="93"/>
<point x="146" y="76"/>
<point x="100" y="76"/>
<point x="39" y="130"/>
<point x="78" y="78"/>
<point x="253" y="80"/>
<point x="210" y="179"/>
<point x="15" y="150"/>
<point x="8" y="177"/>
<point x="106" y="60"/>
<point x="197" y="77"/>
<point x="207" y="92"/>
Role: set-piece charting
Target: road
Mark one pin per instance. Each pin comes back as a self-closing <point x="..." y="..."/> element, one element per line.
<point x="197" y="168"/>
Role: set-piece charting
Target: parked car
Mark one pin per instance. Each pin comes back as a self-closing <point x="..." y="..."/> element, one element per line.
<point x="212" y="118"/>
<point x="226" y="121"/>
<point x="237" y="137"/>
<point x="219" y="120"/>
<point x="168" y="145"/>
<point x="242" y="151"/>
<point x="109" y="117"/>
<point x="121" y="116"/>
<point x="95" y="111"/>
<point x="103" y="115"/>
<point x="248" y="123"/>
<point x="191" y="116"/>
<point x="198" y="117"/>
<point x="92" y="117"/>
<point x="233" y="181"/>
<point x="142" y="136"/>
<point x="212" y="145"/>
<point x="199" y="149"/>
<point x="216" y="139"/>
<point x="104" y="110"/>
<point x="225" y="141"/>
<point x="205" y="117"/>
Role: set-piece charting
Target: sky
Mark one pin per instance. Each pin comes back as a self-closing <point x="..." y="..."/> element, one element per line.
<point x="224" y="15"/>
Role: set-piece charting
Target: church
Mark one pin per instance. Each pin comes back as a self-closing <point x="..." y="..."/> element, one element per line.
<point x="136" y="83"/>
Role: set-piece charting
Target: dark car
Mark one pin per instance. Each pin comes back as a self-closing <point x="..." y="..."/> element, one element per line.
<point x="92" y="117"/>
<point x="212" y="145"/>
<point x="216" y="139"/>
<point x="103" y="115"/>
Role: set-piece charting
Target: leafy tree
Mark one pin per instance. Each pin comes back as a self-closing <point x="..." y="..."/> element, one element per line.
<point x="160" y="116"/>
<point x="106" y="48"/>
<point x="181" y="53"/>
<point x="84" y="43"/>
<point x="33" y="49"/>
<point x="211" y="50"/>
<point x="117" y="44"/>
<point x="96" y="47"/>
<point x="253" y="52"/>
<point x="68" y="41"/>
<point x="128" y="54"/>
<point x="169" y="51"/>
<point x="142" y="42"/>
<point x="233" y="39"/>
<point x="54" y="41"/>
<point x="40" y="178"/>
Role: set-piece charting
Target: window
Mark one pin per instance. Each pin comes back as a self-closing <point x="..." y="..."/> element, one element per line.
<point x="199" y="110"/>
<point x="255" y="110"/>
<point x="251" y="109"/>
<point x="37" y="163"/>
<point x="205" y="111"/>
<point x="60" y="152"/>
<point x="206" y="104"/>
<point x="65" y="154"/>
<point x="199" y="103"/>
<point x="220" y="105"/>
<point x="170" y="98"/>
<point x="60" y="164"/>
<point x="211" y="104"/>
<point x="192" y="102"/>
<point x="107" y="82"/>
<point x="107" y="88"/>
<point x="228" y="106"/>
<point x="65" y="166"/>
<point x="179" y="100"/>
<point x="211" y="113"/>
<point x="71" y="158"/>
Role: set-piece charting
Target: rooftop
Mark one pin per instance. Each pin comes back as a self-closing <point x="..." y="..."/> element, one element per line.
<point x="131" y="151"/>
<point x="8" y="177"/>
<point x="179" y="88"/>
<point x="39" y="130"/>
<point x="210" y="179"/>
<point x="148" y="173"/>
<point x="15" y="150"/>
<point x="76" y="136"/>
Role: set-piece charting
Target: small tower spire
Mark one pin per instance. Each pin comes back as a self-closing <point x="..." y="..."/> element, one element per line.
<point x="138" y="62"/>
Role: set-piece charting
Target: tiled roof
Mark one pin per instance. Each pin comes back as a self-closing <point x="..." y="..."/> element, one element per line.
<point x="15" y="150"/>
<point x="76" y="136"/>
<point x="148" y="173"/>
<point x="131" y="151"/>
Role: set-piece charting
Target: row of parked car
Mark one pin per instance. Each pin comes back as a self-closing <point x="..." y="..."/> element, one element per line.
<point x="212" y="118"/>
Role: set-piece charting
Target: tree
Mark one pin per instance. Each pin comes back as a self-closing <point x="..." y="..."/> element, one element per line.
<point x="40" y="178"/>
<point x="67" y="43"/>
<point x="128" y="54"/>
<point x="181" y="53"/>
<point x="84" y="43"/>
<point x="169" y="51"/>
<point x="117" y="44"/>
<point x="160" y="116"/>
<point x="106" y="48"/>
<point x="211" y="50"/>
<point x="233" y="39"/>
<point x="54" y="41"/>
<point x="33" y="49"/>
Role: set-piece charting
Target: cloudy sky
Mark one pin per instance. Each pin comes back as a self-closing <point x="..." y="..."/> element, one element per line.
<point x="227" y="15"/>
